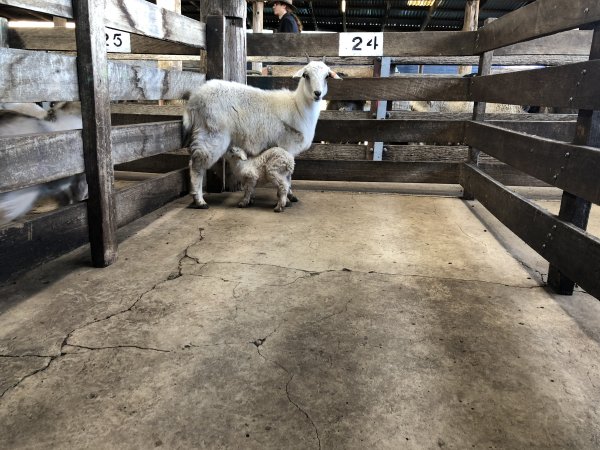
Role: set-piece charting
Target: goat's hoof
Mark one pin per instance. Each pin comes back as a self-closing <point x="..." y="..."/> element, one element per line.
<point x="293" y="198"/>
<point x="195" y="205"/>
<point x="279" y="209"/>
<point x="242" y="205"/>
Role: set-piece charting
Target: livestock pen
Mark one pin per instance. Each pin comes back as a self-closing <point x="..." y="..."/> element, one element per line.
<point x="349" y="321"/>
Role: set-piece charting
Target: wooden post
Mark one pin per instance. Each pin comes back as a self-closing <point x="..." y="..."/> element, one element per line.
<point x="470" y="24"/>
<point x="574" y="209"/>
<point x="258" y="8"/>
<point x="59" y="22"/>
<point x="381" y="69"/>
<point x="170" y="5"/>
<point x="3" y="32"/>
<point x="484" y="68"/>
<point x="92" y="72"/>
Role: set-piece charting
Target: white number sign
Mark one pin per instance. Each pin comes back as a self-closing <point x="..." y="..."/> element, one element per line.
<point x="117" y="41"/>
<point x="361" y="44"/>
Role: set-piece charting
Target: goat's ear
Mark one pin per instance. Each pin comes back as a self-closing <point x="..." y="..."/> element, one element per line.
<point x="332" y="74"/>
<point x="299" y="73"/>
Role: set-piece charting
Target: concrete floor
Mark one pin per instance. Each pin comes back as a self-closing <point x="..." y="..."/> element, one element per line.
<point x="351" y="321"/>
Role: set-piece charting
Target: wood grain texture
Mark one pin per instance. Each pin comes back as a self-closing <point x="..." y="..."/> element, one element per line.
<point x="33" y="159"/>
<point x="407" y="87"/>
<point x="63" y="39"/>
<point x="50" y="235"/>
<point x="574" y="168"/>
<point x="572" y="250"/>
<point x="21" y="79"/>
<point x="60" y="8"/>
<point x="92" y="74"/>
<point x="377" y="171"/>
<point x="427" y="43"/>
<point x="570" y="86"/>
<point x="536" y="20"/>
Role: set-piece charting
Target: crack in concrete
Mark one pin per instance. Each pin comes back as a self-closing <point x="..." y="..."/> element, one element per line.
<point x="119" y="346"/>
<point x="344" y="310"/>
<point x="287" y="391"/>
<point x="314" y="273"/>
<point x="531" y="269"/>
<point x="26" y="355"/>
<point x="41" y="369"/>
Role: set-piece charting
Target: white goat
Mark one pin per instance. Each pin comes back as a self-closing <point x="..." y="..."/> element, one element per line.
<point x="21" y="118"/>
<point x="274" y="165"/>
<point x="462" y="107"/>
<point x="221" y="114"/>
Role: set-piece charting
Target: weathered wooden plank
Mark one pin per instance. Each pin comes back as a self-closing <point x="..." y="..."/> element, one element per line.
<point x="503" y="117"/>
<point x="142" y="17"/>
<point x="572" y="42"/>
<point x="571" y="86"/>
<point x="22" y="80"/>
<point x="33" y="159"/>
<point x="572" y="250"/>
<point x="389" y="131"/>
<point x="377" y="171"/>
<point x="48" y="236"/>
<point x="536" y="20"/>
<point x="60" y="8"/>
<point x="63" y="39"/>
<point x="573" y="208"/>
<point x="134" y="16"/>
<point x="573" y="168"/>
<point x="227" y="8"/>
<point x="427" y="43"/>
<point x="407" y="87"/>
<point x="343" y="71"/>
<point x="92" y="73"/>
<point x="349" y="152"/>
<point x="147" y="110"/>
<point x="509" y="176"/>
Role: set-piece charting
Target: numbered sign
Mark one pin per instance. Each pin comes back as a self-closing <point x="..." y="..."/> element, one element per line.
<point x="361" y="44"/>
<point x="117" y="41"/>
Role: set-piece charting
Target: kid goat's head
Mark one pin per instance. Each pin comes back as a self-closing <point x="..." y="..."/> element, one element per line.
<point x="315" y="75"/>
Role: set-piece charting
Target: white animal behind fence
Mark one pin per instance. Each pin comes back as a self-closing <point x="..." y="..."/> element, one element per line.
<point x="221" y="114"/>
<point x="29" y="118"/>
<point x="274" y="165"/>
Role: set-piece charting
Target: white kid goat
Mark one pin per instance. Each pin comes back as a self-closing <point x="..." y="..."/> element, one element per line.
<point x="221" y="114"/>
<point x="274" y="165"/>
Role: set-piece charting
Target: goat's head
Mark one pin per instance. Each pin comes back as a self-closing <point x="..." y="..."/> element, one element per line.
<point x="314" y="81"/>
<point x="236" y="153"/>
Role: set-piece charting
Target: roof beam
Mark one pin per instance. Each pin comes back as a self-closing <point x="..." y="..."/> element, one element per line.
<point x="388" y="7"/>
<point x="432" y="9"/>
<point x="314" y="18"/>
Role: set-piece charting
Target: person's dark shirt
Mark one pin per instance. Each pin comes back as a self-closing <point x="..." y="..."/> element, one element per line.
<point x="288" y="24"/>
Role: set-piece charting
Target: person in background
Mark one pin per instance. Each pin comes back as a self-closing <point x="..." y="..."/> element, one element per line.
<point x="288" y="20"/>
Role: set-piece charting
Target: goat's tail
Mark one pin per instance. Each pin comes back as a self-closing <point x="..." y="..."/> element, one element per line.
<point x="189" y="119"/>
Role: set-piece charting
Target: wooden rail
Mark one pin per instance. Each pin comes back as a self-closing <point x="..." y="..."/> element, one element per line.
<point x="574" y="251"/>
<point x="134" y="16"/>
<point x="22" y="81"/>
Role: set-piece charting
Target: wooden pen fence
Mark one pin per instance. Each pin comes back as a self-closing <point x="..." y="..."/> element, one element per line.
<point x="498" y="150"/>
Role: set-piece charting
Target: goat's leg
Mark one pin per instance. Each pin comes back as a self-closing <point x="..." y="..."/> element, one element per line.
<point x="281" y="183"/>
<point x="249" y="184"/>
<point x="197" y="173"/>
<point x="290" y="195"/>
<point x="206" y="149"/>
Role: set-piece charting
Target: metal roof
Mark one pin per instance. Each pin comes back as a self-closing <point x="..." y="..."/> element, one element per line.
<point x="360" y="15"/>
<point x="387" y="15"/>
